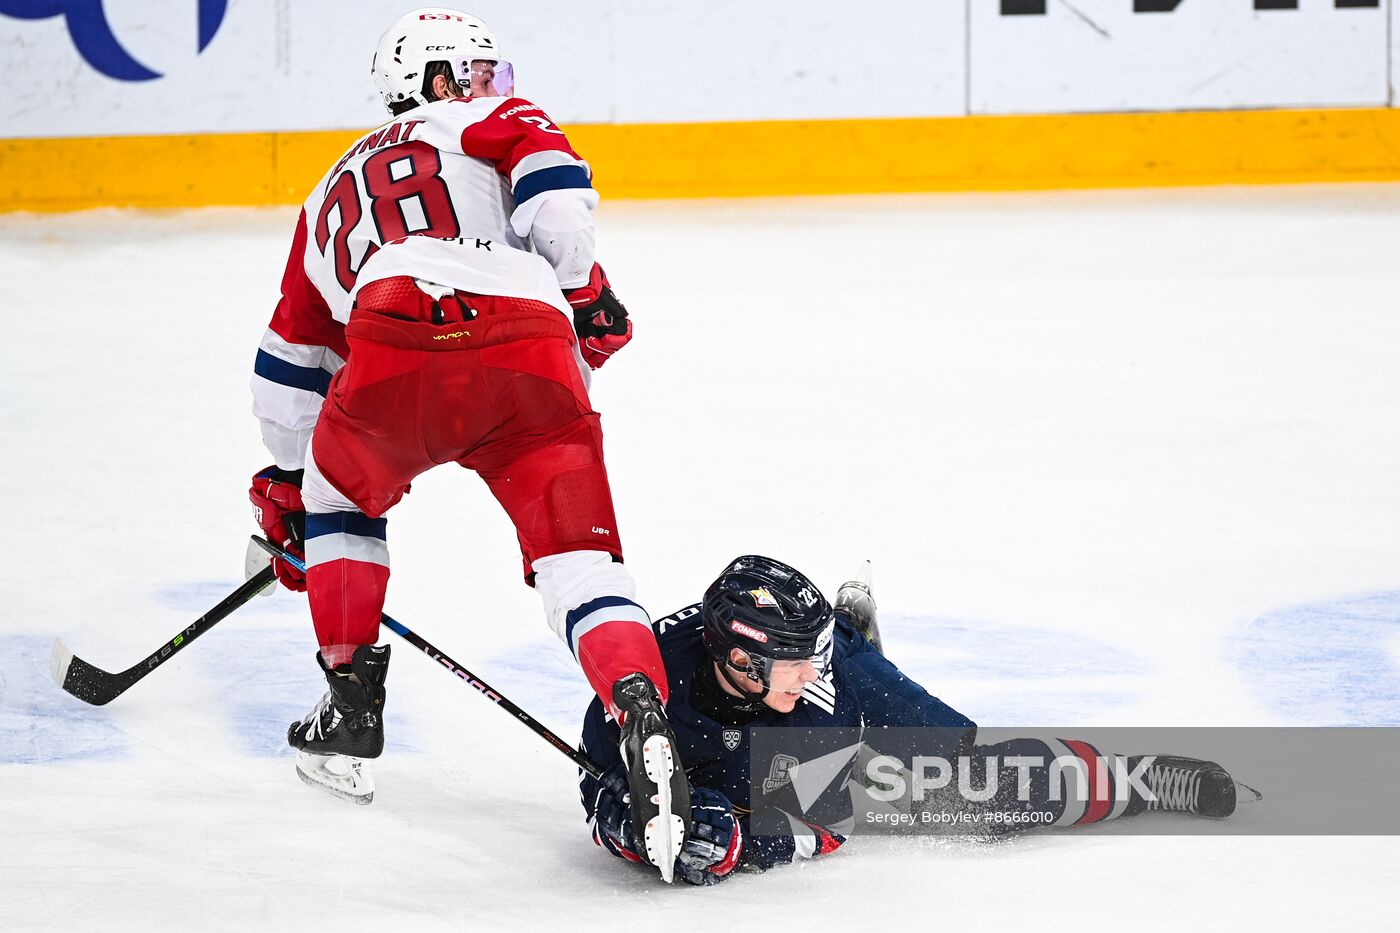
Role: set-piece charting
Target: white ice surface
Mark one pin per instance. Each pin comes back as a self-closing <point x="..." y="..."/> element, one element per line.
<point x="1119" y="459"/>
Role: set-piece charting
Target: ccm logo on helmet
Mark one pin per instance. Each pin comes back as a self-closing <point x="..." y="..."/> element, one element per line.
<point x="736" y="626"/>
<point x="438" y="48"/>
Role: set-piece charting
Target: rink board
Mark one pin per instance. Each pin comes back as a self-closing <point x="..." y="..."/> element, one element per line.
<point x="719" y="99"/>
<point x="698" y="160"/>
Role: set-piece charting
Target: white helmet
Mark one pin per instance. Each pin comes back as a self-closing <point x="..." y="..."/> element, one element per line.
<point x="435" y="34"/>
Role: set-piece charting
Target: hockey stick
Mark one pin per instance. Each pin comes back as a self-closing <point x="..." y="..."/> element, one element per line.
<point x="92" y="684"/>
<point x="485" y="689"/>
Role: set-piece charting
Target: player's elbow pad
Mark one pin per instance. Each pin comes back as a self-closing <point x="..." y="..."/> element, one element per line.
<point x="562" y="232"/>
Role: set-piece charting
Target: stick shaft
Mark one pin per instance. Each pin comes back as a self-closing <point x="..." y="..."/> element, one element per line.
<point x="485" y="689"/>
<point x="250" y="588"/>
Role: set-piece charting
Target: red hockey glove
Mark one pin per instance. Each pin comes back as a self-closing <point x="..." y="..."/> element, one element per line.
<point x="277" y="508"/>
<point x="600" y="320"/>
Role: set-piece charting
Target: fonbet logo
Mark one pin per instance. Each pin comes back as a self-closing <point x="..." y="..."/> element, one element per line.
<point x="747" y="631"/>
<point x="93" y="36"/>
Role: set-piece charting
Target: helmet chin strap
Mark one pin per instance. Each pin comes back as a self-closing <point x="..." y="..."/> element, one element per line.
<point x="747" y="672"/>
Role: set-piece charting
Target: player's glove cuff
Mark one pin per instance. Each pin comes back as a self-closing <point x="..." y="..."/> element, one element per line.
<point x="279" y="475"/>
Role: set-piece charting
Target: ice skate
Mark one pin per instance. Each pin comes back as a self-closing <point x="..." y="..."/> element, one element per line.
<point x="1190" y="785"/>
<point x="337" y="739"/>
<point x="660" y="793"/>
<point x="855" y="599"/>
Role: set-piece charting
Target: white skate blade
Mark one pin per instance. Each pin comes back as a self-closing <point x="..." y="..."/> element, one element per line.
<point x="59" y="661"/>
<point x="862" y="577"/>
<point x="349" y="778"/>
<point x="665" y="832"/>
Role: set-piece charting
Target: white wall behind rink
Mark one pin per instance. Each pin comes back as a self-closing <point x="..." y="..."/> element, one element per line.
<point x="288" y="65"/>
<point x="1097" y="55"/>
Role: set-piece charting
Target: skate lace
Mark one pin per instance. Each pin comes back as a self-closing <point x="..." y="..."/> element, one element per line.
<point x="315" y="721"/>
<point x="1174" y="788"/>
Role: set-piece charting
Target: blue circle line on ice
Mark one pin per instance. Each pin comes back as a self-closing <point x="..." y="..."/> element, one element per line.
<point x="269" y="666"/>
<point x="272" y="680"/>
<point x="1014" y="661"/>
<point x="1025" y="675"/>
<point x="1330" y="662"/>
<point x="94" y="39"/>
<point x="39" y="723"/>
<point x="197" y="597"/>
<point x="1036" y="673"/>
<point x="1019" y="668"/>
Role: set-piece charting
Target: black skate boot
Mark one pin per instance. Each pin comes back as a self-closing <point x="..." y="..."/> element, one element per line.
<point x="1189" y="785"/>
<point x="660" y="793"/>
<point x="855" y="600"/>
<point x="336" y="739"/>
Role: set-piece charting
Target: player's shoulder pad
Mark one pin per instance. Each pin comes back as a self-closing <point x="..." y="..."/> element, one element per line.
<point x="506" y="108"/>
<point x="474" y="111"/>
<point x="680" y="620"/>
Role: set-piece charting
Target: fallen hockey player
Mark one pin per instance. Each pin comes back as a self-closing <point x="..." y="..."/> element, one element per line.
<point x="766" y="649"/>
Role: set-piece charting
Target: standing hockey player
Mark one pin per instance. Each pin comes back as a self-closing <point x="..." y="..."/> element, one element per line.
<point x="439" y="305"/>
<point x="765" y="649"/>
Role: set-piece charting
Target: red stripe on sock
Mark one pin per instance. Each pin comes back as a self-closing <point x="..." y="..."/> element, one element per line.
<point x="1099" y="803"/>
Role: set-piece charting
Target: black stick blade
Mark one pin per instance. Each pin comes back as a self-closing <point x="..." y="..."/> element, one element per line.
<point x="84" y="681"/>
<point x="94" y="685"/>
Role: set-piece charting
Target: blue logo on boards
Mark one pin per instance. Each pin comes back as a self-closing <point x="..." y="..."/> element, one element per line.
<point x="93" y="37"/>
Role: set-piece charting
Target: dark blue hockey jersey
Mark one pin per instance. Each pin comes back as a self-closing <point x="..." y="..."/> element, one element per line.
<point x="860" y="689"/>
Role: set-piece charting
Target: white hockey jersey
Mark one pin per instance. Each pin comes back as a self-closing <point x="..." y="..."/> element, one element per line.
<point x="483" y="169"/>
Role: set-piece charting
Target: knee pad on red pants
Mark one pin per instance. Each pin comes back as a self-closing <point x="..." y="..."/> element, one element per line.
<point x="558" y="497"/>
<point x="579" y="503"/>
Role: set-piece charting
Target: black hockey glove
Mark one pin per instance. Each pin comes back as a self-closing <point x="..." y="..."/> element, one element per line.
<point x="600" y="320"/>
